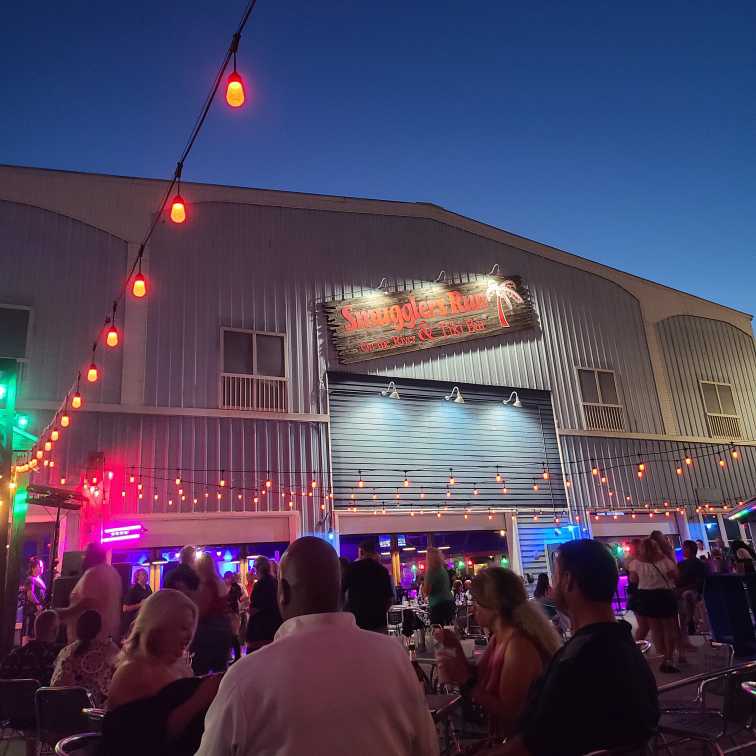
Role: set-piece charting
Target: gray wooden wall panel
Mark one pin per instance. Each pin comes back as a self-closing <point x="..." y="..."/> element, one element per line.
<point x="270" y="268"/>
<point x="68" y="272"/>
<point x="699" y="349"/>
<point x="618" y="458"/>
<point x="156" y="446"/>
<point x="425" y="435"/>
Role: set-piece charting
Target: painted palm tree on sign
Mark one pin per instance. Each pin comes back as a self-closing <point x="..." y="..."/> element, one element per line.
<point x="506" y="292"/>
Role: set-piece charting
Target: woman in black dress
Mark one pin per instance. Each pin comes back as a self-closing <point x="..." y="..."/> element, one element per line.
<point x="235" y="598"/>
<point x="156" y="706"/>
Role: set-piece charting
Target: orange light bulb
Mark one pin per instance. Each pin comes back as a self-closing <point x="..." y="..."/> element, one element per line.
<point x="178" y="210"/>
<point x="139" y="288"/>
<point x="48" y="445"/>
<point x="235" y="90"/>
<point x="92" y="373"/>
<point x="40" y="454"/>
<point x="76" y="400"/>
<point x="64" y="420"/>
<point x="112" y="337"/>
<point x="54" y="434"/>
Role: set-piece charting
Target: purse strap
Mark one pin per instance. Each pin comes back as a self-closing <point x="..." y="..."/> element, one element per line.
<point x="662" y="575"/>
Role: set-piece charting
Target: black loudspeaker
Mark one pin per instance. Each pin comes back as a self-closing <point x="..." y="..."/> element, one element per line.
<point x="61" y="591"/>
<point x="124" y="570"/>
<point x="72" y="561"/>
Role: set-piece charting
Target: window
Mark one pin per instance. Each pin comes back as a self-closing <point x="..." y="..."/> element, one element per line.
<point x="14" y="331"/>
<point x="254" y="375"/>
<point x="721" y="413"/>
<point x="601" y="404"/>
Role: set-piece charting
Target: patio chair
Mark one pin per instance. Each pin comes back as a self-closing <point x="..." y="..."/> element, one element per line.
<point x="17" y="709"/>
<point x="95" y="717"/>
<point x="735" y="719"/>
<point x="85" y="744"/>
<point x="60" y="713"/>
<point x="716" y="657"/>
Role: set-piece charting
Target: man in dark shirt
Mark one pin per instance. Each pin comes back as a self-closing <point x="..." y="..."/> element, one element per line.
<point x="36" y="659"/>
<point x="689" y="584"/>
<point x="369" y="594"/>
<point x="183" y="578"/>
<point x="264" y="613"/>
<point x="598" y="691"/>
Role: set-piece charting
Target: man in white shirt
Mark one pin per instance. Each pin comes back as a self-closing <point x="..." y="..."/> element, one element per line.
<point x="99" y="588"/>
<point x="323" y="687"/>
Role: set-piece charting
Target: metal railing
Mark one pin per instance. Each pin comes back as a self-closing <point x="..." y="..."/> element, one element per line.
<point x="725" y="426"/>
<point x="250" y="392"/>
<point x="604" y="417"/>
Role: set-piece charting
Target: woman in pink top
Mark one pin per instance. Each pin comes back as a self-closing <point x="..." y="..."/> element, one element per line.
<point x="522" y="642"/>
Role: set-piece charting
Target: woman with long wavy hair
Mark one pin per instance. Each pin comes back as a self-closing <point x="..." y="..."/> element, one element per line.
<point x="522" y="642"/>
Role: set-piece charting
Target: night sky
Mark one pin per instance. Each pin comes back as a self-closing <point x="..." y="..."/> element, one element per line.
<point x="622" y="131"/>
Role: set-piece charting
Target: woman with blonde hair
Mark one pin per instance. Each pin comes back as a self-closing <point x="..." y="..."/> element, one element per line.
<point x="522" y="643"/>
<point x="655" y="575"/>
<point x="156" y="705"/>
<point x="437" y="589"/>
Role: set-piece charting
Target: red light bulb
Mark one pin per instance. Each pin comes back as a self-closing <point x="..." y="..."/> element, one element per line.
<point x="54" y="434"/>
<point x="178" y="210"/>
<point x="76" y="400"/>
<point x="112" y="338"/>
<point x="92" y="373"/>
<point x="140" y="285"/>
<point x="545" y="475"/>
<point x="64" y="420"/>
<point x="235" y="90"/>
<point x="48" y="445"/>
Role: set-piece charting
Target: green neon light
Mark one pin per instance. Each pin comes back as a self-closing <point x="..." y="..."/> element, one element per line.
<point x="19" y="502"/>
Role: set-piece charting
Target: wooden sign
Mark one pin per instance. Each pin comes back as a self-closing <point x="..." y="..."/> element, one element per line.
<point x="379" y="325"/>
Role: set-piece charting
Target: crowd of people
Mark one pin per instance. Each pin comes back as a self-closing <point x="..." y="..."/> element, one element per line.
<point x="663" y="592"/>
<point x="320" y="674"/>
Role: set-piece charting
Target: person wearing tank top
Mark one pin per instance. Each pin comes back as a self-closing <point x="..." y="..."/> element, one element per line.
<point x="212" y="641"/>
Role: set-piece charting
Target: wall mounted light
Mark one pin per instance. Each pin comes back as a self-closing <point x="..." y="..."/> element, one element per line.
<point x="516" y="403"/>
<point x="455" y="395"/>
<point x="391" y="391"/>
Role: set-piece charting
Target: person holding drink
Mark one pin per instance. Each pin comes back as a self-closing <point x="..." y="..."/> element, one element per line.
<point x="522" y="643"/>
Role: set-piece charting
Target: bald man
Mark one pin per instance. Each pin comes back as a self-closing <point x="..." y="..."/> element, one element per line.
<point x="324" y="686"/>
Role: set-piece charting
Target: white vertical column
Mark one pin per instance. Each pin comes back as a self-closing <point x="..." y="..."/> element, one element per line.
<point x="135" y="336"/>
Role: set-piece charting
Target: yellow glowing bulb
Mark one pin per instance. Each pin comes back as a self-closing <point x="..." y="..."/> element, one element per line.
<point x="235" y="91"/>
<point x="178" y="210"/>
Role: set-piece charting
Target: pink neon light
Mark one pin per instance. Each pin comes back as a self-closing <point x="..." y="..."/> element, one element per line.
<point x="122" y="529"/>
<point x="130" y="537"/>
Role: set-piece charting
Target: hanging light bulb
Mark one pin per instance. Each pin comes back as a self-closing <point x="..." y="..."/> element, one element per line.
<point x="504" y="490"/>
<point x="40" y="454"/>
<point x="235" y="90"/>
<point x="360" y="482"/>
<point x="735" y="454"/>
<point x="112" y="338"/>
<point x="406" y="480"/>
<point x="678" y="469"/>
<point x="139" y="289"/>
<point x="48" y="445"/>
<point x="568" y="484"/>
<point x="314" y="484"/>
<point x="545" y="475"/>
<point x="721" y="463"/>
<point x="54" y="434"/>
<point x="92" y="373"/>
<point x="64" y="420"/>
<point x="422" y="494"/>
<point x="178" y="209"/>
<point x="498" y="477"/>
<point x="642" y="466"/>
<point x="594" y="470"/>
<point x="688" y="459"/>
<point x="451" y="477"/>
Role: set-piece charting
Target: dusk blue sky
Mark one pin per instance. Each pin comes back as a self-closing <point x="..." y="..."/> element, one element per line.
<point x="619" y="130"/>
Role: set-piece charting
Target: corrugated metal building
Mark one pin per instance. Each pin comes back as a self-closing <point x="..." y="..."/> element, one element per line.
<point x="227" y="371"/>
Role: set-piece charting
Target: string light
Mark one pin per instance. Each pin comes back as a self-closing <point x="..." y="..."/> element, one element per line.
<point x="139" y="288"/>
<point x="451" y="477"/>
<point x="54" y="434"/>
<point x="679" y="469"/>
<point x="406" y="480"/>
<point x="65" y="419"/>
<point x="178" y="208"/>
<point x="722" y="463"/>
<point x="360" y="482"/>
<point x="735" y="454"/>
<point x="498" y="477"/>
<point x="594" y="469"/>
<point x="48" y="446"/>
<point x="92" y="374"/>
<point x="112" y="337"/>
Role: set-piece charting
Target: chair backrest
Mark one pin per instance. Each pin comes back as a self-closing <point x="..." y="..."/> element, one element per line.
<point x="716" y="656"/>
<point x="60" y="713"/>
<point x="17" y="703"/>
<point x="86" y="744"/>
<point x="738" y="704"/>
